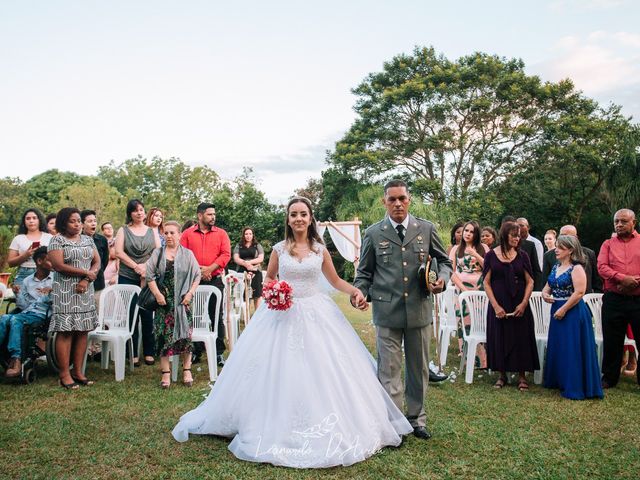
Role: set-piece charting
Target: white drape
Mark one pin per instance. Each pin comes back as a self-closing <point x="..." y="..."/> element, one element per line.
<point x="344" y="246"/>
<point x="321" y="230"/>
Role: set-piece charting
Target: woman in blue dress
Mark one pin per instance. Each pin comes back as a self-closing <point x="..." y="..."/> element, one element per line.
<point x="572" y="364"/>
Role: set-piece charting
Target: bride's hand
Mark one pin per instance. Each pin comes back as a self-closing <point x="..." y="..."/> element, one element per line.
<point x="358" y="300"/>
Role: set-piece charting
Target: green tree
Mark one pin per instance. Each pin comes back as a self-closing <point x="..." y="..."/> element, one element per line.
<point x="170" y="184"/>
<point x="94" y="194"/>
<point x="43" y="190"/>
<point x="452" y="126"/>
<point x="12" y="201"/>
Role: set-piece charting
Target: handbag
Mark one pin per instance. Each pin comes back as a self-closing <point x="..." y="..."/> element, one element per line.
<point x="146" y="300"/>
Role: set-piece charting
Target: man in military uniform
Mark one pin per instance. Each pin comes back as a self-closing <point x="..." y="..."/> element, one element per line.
<point x="392" y="252"/>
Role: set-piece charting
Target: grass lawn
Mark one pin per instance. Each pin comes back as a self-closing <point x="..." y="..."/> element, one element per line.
<point x="122" y="430"/>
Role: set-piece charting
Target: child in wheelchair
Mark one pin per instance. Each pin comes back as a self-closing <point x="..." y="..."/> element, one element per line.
<point x="21" y="330"/>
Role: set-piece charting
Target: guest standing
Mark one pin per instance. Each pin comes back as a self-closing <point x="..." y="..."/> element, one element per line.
<point x="248" y="254"/>
<point x="489" y="237"/>
<point x="572" y="362"/>
<point x="455" y="236"/>
<point x="508" y="281"/>
<point x="111" y="272"/>
<point x="468" y="261"/>
<point x="550" y="239"/>
<point x="76" y="262"/>
<point x="619" y="266"/>
<point x="155" y="220"/>
<point x="134" y="244"/>
<point x="50" y="220"/>
<point x="173" y="321"/>
<point x="31" y="235"/>
<point x="594" y="282"/>
<point x="212" y="249"/>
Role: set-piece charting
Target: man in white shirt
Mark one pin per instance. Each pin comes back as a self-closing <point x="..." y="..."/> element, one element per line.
<point x="523" y="223"/>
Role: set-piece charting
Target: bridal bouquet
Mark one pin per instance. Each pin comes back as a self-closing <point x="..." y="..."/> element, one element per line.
<point x="278" y="295"/>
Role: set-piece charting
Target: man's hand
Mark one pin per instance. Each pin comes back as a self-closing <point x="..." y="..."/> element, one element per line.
<point x="358" y="301"/>
<point x="437" y="287"/>
<point x="629" y="282"/>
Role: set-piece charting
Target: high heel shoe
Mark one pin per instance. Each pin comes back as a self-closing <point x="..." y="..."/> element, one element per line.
<point x="164" y="384"/>
<point x="187" y="383"/>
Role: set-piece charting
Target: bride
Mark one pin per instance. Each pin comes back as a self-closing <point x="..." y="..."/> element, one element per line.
<point x="300" y="388"/>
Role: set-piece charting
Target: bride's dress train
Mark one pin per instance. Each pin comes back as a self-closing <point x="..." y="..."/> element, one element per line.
<point x="300" y="388"/>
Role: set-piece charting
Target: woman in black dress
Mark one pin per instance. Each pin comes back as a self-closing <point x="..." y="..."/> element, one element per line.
<point x="508" y="282"/>
<point x="248" y="256"/>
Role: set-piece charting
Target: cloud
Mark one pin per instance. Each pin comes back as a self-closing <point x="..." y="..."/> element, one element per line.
<point x="573" y="5"/>
<point x="605" y="65"/>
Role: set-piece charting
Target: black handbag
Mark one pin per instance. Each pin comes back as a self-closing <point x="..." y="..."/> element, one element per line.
<point x="146" y="300"/>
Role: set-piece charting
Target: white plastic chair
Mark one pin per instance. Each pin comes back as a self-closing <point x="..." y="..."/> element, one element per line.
<point x="594" y="302"/>
<point x="202" y="329"/>
<point x="115" y="303"/>
<point x="448" y="321"/>
<point x="541" y="317"/>
<point x="234" y="306"/>
<point x="477" y="303"/>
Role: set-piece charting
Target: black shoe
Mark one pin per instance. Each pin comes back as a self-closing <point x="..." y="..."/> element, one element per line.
<point x="437" y="377"/>
<point x="422" y="433"/>
<point x="195" y="358"/>
<point x="220" y="361"/>
<point x="96" y="357"/>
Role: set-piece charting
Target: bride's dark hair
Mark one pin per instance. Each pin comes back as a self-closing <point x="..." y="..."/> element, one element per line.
<point x="312" y="231"/>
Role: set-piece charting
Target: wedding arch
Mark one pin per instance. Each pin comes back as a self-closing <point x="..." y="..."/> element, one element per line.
<point x="346" y="237"/>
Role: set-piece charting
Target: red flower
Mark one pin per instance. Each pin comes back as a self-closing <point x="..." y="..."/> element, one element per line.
<point x="278" y="294"/>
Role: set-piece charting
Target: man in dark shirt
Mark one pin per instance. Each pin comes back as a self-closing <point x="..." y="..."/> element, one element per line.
<point x="89" y="226"/>
<point x="594" y="282"/>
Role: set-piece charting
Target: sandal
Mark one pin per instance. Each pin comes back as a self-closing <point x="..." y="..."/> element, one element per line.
<point x="523" y="386"/>
<point x="69" y="386"/>
<point x="500" y="383"/>
<point x="164" y="384"/>
<point x="84" y="382"/>
<point x="187" y="383"/>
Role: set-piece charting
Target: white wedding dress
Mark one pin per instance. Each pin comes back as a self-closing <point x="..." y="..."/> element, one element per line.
<point x="300" y="388"/>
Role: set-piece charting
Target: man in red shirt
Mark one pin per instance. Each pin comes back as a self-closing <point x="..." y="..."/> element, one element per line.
<point x="619" y="266"/>
<point x="212" y="248"/>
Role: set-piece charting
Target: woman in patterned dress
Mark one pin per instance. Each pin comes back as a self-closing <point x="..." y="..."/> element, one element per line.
<point x="468" y="258"/>
<point x="173" y="321"/>
<point x="75" y="262"/>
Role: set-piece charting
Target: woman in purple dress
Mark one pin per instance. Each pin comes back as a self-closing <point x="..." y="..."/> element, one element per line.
<point x="508" y="282"/>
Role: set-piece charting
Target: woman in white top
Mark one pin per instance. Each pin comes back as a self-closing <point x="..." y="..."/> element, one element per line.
<point x="31" y="235"/>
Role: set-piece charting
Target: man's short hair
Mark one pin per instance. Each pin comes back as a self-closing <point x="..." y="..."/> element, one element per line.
<point x="85" y="213"/>
<point x="508" y="218"/>
<point x="395" y="183"/>
<point x="204" y="206"/>
<point x="39" y="253"/>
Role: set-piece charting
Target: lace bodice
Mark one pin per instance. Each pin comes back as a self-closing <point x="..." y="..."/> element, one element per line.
<point x="304" y="276"/>
<point x="561" y="285"/>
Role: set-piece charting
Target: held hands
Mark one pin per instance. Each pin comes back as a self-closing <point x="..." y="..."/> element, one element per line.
<point x="91" y="275"/>
<point x="629" y="283"/>
<point x="205" y="272"/>
<point x="519" y="311"/>
<point x="161" y="300"/>
<point x="358" y="301"/>
<point x="82" y="286"/>
<point x="186" y="300"/>
<point x="547" y="297"/>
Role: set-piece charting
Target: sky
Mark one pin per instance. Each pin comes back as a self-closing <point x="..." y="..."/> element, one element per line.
<point x="262" y="84"/>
